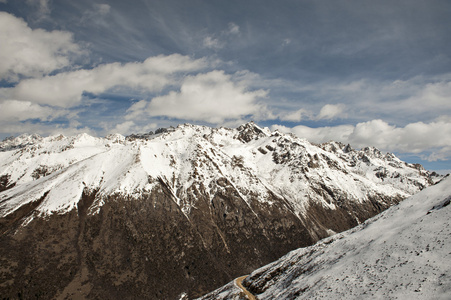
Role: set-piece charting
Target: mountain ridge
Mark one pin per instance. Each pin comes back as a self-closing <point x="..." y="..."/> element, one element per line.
<point x="246" y="133"/>
<point x="185" y="200"/>
<point x="402" y="252"/>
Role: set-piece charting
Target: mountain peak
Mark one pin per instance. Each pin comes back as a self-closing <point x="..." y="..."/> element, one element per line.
<point x="20" y="141"/>
<point x="251" y="131"/>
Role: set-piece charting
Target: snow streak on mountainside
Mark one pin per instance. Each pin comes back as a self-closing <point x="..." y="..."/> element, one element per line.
<point x="184" y="210"/>
<point x="402" y="253"/>
<point x="254" y="160"/>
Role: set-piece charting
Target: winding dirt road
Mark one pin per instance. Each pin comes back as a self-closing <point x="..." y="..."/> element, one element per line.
<point x="238" y="282"/>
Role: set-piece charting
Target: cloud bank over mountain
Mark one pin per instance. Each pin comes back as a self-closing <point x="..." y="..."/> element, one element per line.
<point x="376" y="75"/>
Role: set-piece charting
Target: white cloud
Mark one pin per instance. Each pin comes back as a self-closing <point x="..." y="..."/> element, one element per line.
<point x="399" y="101"/>
<point x="13" y="110"/>
<point x="44" y="129"/>
<point x="318" y="135"/>
<point x="286" y="42"/>
<point x="16" y="116"/>
<point x="295" y="116"/>
<point x="212" y="43"/>
<point x="331" y="111"/>
<point x="124" y="127"/>
<point x="66" y="89"/>
<point x="233" y="28"/>
<point x="219" y="40"/>
<point x="32" y="52"/>
<point x="327" y="112"/>
<point x="212" y="97"/>
<point x="67" y="131"/>
<point x="102" y="9"/>
<point x="137" y="110"/>
<point x="415" y="138"/>
<point x="96" y="14"/>
<point x="434" y="95"/>
<point x="128" y="127"/>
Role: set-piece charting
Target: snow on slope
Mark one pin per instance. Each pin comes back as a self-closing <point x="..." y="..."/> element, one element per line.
<point x="255" y="161"/>
<point x="402" y="253"/>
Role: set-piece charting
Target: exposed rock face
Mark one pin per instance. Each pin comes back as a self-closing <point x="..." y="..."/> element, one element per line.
<point x="185" y="210"/>
<point x="402" y="253"/>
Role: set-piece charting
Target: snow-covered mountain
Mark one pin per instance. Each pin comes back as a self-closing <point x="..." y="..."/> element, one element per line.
<point x="179" y="206"/>
<point x="402" y="253"/>
<point x="254" y="160"/>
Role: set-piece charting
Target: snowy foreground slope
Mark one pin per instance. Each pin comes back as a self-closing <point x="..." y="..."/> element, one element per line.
<point x="184" y="210"/>
<point x="402" y="253"/>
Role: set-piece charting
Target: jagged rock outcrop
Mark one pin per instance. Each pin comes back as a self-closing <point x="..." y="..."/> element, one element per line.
<point x="183" y="210"/>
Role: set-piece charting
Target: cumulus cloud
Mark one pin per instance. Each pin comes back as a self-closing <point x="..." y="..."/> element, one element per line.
<point x="295" y="116"/>
<point x="14" y="110"/>
<point x="212" y="97"/>
<point x="318" y="135"/>
<point x="45" y="129"/>
<point x="331" y="111"/>
<point x="17" y="117"/>
<point x="128" y="127"/>
<point x="414" y="138"/>
<point x="32" y="52"/>
<point x="66" y="89"/>
<point x="137" y="110"/>
<point x="433" y="95"/>
<point x="124" y="127"/>
<point x="398" y="101"/>
<point x="328" y="112"/>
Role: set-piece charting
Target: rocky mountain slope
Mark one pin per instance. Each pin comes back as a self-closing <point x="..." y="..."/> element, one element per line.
<point x="402" y="253"/>
<point x="184" y="210"/>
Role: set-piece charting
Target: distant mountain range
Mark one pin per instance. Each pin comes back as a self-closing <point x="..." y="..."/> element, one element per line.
<point x="180" y="211"/>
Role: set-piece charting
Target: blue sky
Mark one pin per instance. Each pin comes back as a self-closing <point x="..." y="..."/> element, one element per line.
<point x="361" y="72"/>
